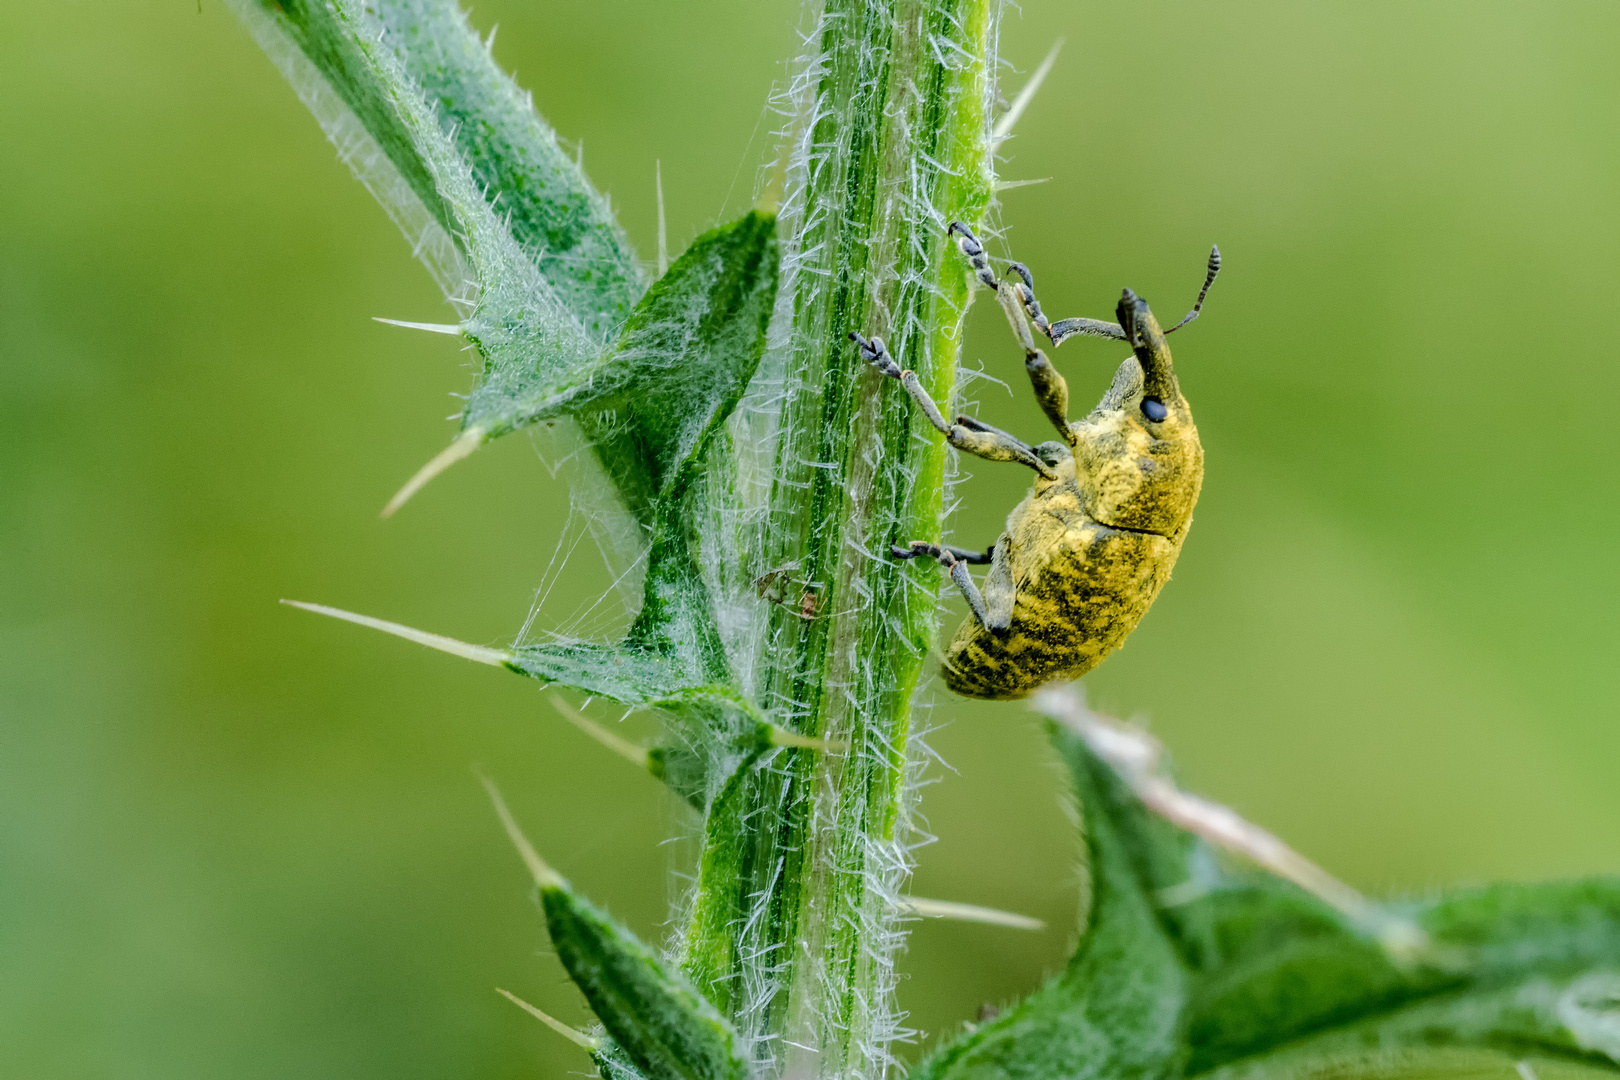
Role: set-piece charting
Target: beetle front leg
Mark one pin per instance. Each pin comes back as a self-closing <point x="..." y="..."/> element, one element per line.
<point x="1063" y="329"/>
<point x="1051" y="390"/>
<point x="969" y="246"/>
<point x="978" y="439"/>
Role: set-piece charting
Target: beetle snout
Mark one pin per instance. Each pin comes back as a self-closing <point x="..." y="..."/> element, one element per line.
<point x="1130" y="311"/>
<point x="1146" y="340"/>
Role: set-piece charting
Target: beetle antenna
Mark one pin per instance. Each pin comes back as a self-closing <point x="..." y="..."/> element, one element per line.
<point x="1209" y="279"/>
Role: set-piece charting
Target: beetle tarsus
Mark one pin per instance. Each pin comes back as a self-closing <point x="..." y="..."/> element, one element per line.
<point x="970" y="247"/>
<point x="978" y="439"/>
<point x="1026" y="293"/>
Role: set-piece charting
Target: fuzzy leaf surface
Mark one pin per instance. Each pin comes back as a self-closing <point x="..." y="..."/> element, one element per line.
<point x="1116" y="1009"/>
<point x="1265" y="982"/>
<point x="665" y="1027"/>
<point x="682" y="361"/>
<point x="651" y="408"/>
<point x="475" y="178"/>
<point x="537" y="189"/>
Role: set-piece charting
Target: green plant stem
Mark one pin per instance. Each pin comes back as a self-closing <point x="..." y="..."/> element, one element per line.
<point x="795" y="915"/>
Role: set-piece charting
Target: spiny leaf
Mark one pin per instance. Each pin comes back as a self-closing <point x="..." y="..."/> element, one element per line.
<point x="1263" y="981"/>
<point x="1511" y="930"/>
<point x="1116" y="1009"/>
<point x="1541" y="1018"/>
<point x="532" y="183"/>
<point x="666" y="1028"/>
<point x="713" y="941"/>
<point x="341" y="59"/>
<point x="711" y="728"/>
<point x="651" y="408"/>
<point x="682" y="361"/>
<point x="627" y="674"/>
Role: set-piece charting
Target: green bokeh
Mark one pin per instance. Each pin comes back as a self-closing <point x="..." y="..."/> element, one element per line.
<point x="236" y="840"/>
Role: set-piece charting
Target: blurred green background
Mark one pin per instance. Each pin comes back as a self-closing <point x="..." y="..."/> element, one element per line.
<point x="238" y="840"/>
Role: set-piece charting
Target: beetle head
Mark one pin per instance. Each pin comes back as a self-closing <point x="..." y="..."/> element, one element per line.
<point x="1139" y="456"/>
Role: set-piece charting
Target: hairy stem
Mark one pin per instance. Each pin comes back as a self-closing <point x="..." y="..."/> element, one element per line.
<point x="796" y="911"/>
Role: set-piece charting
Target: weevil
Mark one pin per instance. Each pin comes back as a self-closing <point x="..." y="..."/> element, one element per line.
<point x="1090" y="547"/>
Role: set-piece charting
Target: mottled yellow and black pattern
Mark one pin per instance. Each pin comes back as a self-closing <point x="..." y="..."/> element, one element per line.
<point x="1086" y="553"/>
<point x="1080" y="586"/>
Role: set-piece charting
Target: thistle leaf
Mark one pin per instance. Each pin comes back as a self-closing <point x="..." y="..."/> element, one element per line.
<point x="666" y="1029"/>
<point x="663" y="1025"/>
<point x="651" y="408"/>
<point x="338" y="55"/>
<point x="1115" y="1010"/>
<point x="682" y="361"/>
<point x="533" y="185"/>
<point x="1192" y="967"/>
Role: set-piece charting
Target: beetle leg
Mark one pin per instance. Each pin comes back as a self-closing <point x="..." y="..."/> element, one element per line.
<point x="958" y="570"/>
<point x="979" y="439"/>
<point x="1063" y="329"/>
<point x="999" y="591"/>
<point x="973" y="423"/>
<point x="1051" y="391"/>
<point x="969" y="245"/>
<point x="975" y="558"/>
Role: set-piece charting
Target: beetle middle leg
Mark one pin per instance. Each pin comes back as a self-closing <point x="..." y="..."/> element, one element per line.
<point x="976" y="438"/>
<point x="993" y="616"/>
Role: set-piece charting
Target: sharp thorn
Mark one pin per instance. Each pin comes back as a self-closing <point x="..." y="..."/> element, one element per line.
<point x="784" y="737"/>
<point x="1008" y="185"/>
<point x="626" y="749"/>
<point x="663" y="233"/>
<point x="455" y="329"/>
<point x="1136" y="758"/>
<point x="578" y="1038"/>
<point x="544" y="876"/>
<point x="947" y="909"/>
<point x="483" y="655"/>
<point x="1026" y="94"/>
<point x="465" y="444"/>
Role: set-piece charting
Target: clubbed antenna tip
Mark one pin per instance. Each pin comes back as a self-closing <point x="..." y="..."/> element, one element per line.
<point x="465" y="444"/>
<point x="479" y="653"/>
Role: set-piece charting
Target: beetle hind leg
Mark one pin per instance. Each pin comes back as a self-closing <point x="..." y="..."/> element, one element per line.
<point x="955" y="560"/>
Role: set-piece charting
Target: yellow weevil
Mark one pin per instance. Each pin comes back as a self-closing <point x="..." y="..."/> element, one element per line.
<point x="1089" y="548"/>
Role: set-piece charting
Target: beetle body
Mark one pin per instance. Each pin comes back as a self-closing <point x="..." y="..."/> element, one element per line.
<point x="1085" y="554"/>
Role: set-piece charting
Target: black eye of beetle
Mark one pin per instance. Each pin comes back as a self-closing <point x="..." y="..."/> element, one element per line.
<point x="1154" y="409"/>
